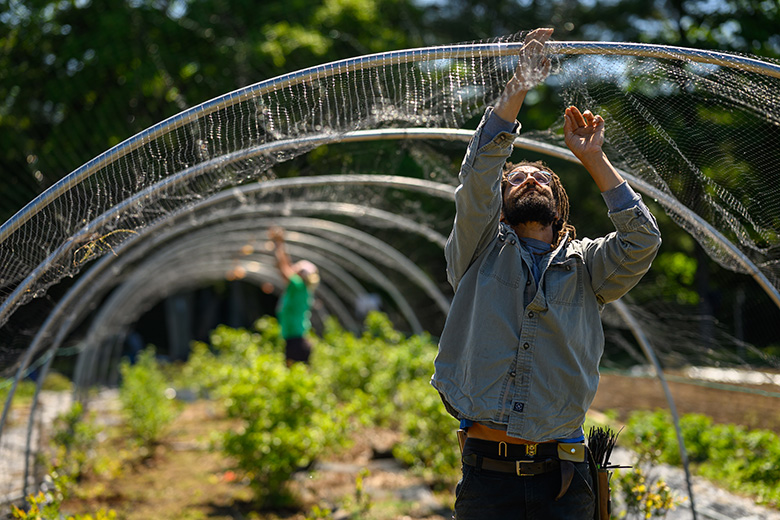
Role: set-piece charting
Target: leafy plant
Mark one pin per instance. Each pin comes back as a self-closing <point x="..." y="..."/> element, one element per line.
<point x="429" y="445"/>
<point x="73" y="438"/>
<point x="289" y="416"/>
<point x="745" y="461"/>
<point x="147" y="409"/>
<point x="370" y="368"/>
<point x="25" y="390"/>
<point x="46" y="504"/>
<point x="642" y="498"/>
<point x="287" y="420"/>
<point x="57" y="382"/>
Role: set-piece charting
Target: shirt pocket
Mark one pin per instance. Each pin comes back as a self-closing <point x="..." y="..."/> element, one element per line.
<point x="502" y="264"/>
<point x="564" y="283"/>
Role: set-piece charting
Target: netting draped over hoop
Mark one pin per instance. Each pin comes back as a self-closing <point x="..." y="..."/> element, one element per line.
<point x="704" y="133"/>
<point x="696" y="131"/>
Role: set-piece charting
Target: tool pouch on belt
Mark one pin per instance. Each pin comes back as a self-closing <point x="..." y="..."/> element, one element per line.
<point x="568" y="454"/>
<point x="600" y="478"/>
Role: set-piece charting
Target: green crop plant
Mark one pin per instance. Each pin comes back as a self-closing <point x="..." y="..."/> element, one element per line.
<point x="148" y="411"/>
<point x="745" y="461"/>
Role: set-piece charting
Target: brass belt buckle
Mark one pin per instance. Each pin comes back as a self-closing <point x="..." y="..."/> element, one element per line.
<point x="518" y="466"/>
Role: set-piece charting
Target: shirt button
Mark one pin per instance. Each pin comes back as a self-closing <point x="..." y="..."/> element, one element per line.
<point x="531" y="314"/>
<point x="528" y="282"/>
<point x="526" y="346"/>
<point x="513" y="373"/>
<point x="568" y="268"/>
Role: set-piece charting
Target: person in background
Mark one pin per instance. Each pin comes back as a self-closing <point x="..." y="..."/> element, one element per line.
<point x="518" y="357"/>
<point x="294" y="308"/>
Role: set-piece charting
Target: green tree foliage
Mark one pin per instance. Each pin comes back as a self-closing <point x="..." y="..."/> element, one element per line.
<point x="737" y="25"/>
<point x="78" y="77"/>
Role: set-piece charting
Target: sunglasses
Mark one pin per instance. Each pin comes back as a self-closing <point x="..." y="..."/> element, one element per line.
<point x="518" y="176"/>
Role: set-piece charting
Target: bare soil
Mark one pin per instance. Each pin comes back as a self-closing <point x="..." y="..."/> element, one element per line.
<point x="747" y="408"/>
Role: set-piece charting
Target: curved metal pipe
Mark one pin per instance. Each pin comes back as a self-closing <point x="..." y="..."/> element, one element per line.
<point x="409" y="133"/>
<point x="722" y="59"/>
<point x="410" y="270"/>
<point x="647" y="348"/>
<point x="324" y="71"/>
<point x="445" y="191"/>
<point x="138" y="295"/>
<point x="90" y="355"/>
<point x="73" y="298"/>
<point x="363" y="62"/>
<point x="195" y="242"/>
<point x="573" y="48"/>
<point x="337" y="276"/>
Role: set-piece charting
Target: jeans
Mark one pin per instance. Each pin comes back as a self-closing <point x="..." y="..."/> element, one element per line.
<point x="489" y="495"/>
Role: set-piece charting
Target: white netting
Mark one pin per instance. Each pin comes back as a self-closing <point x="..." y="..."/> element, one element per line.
<point x="697" y="132"/>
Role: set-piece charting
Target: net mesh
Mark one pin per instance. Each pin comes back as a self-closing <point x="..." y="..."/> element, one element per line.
<point x="701" y="133"/>
<point x="696" y="132"/>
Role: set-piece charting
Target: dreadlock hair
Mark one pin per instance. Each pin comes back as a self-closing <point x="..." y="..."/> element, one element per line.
<point x="560" y="227"/>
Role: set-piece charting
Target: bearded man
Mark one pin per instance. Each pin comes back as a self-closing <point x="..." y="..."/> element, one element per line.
<point x="518" y="357"/>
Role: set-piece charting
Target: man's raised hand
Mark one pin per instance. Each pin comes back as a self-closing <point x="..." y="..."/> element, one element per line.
<point x="533" y="65"/>
<point x="583" y="133"/>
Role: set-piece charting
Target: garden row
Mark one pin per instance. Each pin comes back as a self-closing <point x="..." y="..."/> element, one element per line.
<point x="288" y="417"/>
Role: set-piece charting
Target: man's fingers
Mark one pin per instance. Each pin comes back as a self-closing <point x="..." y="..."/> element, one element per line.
<point x="532" y="58"/>
<point x="576" y="115"/>
<point x="589" y="117"/>
<point x="532" y="46"/>
<point x="542" y="34"/>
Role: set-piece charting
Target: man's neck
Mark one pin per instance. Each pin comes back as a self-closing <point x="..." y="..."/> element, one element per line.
<point x="534" y="230"/>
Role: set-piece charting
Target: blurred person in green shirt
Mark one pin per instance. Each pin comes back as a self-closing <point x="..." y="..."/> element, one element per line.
<point x="294" y="308"/>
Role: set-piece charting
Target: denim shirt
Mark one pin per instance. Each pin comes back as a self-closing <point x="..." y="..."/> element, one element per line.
<point x="516" y="353"/>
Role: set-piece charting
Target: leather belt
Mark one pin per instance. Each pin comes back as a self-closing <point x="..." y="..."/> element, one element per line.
<point x="510" y="451"/>
<point x="525" y="460"/>
<point x="521" y="468"/>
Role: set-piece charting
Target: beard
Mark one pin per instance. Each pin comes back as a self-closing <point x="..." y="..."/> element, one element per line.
<point x="530" y="206"/>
